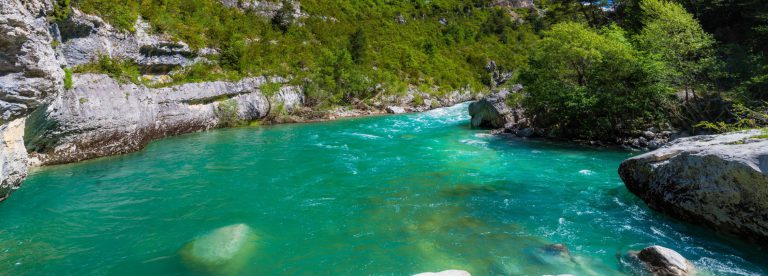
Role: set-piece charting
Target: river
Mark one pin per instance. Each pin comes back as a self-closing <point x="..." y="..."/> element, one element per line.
<point x="384" y="195"/>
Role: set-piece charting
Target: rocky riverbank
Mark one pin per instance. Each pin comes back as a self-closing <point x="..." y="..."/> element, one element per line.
<point x="719" y="181"/>
<point x="43" y="123"/>
<point x="499" y="113"/>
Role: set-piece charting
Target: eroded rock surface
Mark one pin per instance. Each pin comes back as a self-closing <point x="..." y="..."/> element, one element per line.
<point x="13" y="157"/>
<point x="29" y="71"/>
<point x="102" y="117"/>
<point x="493" y="111"/>
<point x="717" y="181"/>
<point x="662" y="261"/>
<point x="85" y="38"/>
<point x="29" y="74"/>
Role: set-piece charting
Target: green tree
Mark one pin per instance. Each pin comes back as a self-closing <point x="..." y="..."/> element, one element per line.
<point x="357" y="45"/>
<point x="585" y="84"/>
<point x="672" y="35"/>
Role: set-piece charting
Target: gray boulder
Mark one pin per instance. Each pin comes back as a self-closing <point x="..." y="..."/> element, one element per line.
<point x="101" y="117"/>
<point x="493" y="112"/>
<point x="662" y="261"/>
<point x="717" y="181"/>
<point x="395" y="109"/>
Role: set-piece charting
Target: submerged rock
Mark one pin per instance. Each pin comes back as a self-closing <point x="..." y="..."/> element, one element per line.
<point x="717" y="181"/>
<point x="492" y="111"/>
<point x="222" y="251"/>
<point x="451" y="272"/>
<point x="662" y="261"/>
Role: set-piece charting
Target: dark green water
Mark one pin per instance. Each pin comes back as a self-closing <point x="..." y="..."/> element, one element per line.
<point x="391" y="195"/>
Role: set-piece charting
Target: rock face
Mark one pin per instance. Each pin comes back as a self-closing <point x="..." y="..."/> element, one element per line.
<point x="84" y="38"/>
<point x="13" y="157"/>
<point x="662" y="261"/>
<point x="102" y="117"/>
<point x="29" y="74"/>
<point x="29" y="71"/>
<point x="223" y="251"/>
<point x="493" y="112"/>
<point x="717" y="181"/>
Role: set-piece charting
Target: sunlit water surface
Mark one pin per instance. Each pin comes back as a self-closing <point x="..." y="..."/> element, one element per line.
<point x="388" y="195"/>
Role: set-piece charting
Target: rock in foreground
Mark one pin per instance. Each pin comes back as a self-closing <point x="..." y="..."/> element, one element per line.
<point x="445" y="273"/>
<point x="663" y="261"/>
<point x="223" y="251"/>
<point x="717" y="181"/>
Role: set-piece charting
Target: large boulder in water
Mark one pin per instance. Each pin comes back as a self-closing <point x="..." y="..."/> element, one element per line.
<point x="662" y="261"/>
<point x="493" y="112"/>
<point x="717" y="181"/>
<point x="222" y="251"/>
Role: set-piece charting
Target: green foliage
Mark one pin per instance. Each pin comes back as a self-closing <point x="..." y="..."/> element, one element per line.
<point x="68" y="78"/>
<point x="357" y="46"/>
<point x="672" y="35"/>
<point x="743" y="118"/>
<point x="345" y="49"/>
<point x="62" y="9"/>
<point x="120" y="70"/>
<point x="227" y="112"/>
<point x="585" y="84"/>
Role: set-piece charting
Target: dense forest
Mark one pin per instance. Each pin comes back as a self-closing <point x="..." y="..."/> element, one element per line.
<point x="591" y="69"/>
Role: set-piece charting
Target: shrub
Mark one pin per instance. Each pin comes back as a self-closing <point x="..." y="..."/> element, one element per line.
<point x="227" y="112"/>
<point x="122" y="70"/>
<point x="67" y="78"/>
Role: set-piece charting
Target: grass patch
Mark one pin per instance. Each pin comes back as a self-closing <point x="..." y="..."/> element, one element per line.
<point x="122" y="70"/>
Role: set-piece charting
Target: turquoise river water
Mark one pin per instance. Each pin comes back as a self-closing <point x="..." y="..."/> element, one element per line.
<point x="386" y="195"/>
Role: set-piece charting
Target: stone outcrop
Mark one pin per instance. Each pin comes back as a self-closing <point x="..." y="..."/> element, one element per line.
<point x="29" y="74"/>
<point x="493" y="112"/>
<point x="717" y="181"/>
<point x="84" y="38"/>
<point x="101" y="117"/>
<point x="29" y="71"/>
<point x="263" y="8"/>
<point x="13" y="157"/>
<point x="662" y="261"/>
